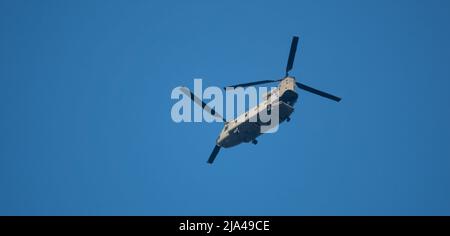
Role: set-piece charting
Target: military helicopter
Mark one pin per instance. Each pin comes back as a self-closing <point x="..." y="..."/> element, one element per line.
<point x="241" y="130"/>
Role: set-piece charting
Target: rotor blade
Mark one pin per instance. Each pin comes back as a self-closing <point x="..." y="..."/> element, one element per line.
<point x="291" y="58"/>
<point x="213" y="154"/>
<point x="251" y="83"/>
<point x="318" y="92"/>
<point x="199" y="102"/>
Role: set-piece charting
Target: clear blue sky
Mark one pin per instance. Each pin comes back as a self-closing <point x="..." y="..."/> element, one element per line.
<point x="85" y="126"/>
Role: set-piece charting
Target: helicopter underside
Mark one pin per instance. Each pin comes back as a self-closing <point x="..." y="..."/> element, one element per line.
<point x="247" y="131"/>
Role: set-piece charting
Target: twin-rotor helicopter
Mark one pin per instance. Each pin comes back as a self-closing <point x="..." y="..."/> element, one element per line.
<point x="242" y="129"/>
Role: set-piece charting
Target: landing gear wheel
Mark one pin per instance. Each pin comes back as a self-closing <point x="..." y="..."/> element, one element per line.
<point x="255" y="141"/>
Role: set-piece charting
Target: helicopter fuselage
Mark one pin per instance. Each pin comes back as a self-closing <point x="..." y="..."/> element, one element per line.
<point x="248" y="126"/>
